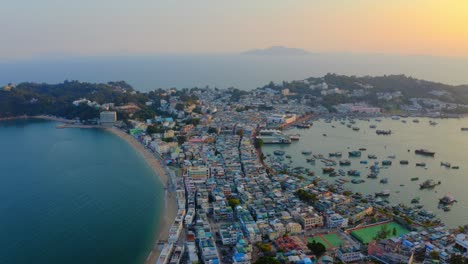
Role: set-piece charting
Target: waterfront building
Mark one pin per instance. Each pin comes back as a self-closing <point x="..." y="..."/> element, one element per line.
<point x="108" y="117"/>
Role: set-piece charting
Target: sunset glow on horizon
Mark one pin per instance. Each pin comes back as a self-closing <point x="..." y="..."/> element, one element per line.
<point x="417" y="27"/>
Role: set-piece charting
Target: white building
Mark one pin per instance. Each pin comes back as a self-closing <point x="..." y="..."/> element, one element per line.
<point x="108" y="117"/>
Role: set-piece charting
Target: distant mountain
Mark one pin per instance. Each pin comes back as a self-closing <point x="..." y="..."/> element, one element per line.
<point x="276" y="51"/>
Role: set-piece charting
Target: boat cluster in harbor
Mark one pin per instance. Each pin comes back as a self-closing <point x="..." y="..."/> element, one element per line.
<point x="334" y="165"/>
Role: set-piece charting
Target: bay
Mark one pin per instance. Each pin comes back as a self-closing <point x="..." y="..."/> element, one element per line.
<point x="446" y="139"/>
<point x="74" y="196"/>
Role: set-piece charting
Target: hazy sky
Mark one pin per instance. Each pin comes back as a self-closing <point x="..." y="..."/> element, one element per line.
<point x="432" y="27"/>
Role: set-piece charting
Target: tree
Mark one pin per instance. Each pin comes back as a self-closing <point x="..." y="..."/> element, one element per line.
<point x="317" y="248"/>
<point x="267" y="260"/>
<point x="434" y="254"/>
<point x="394" y="231"/>
<point x="181" y="139"/>
<point x="180" y="107"/>
<point x="212" y="130"/>
<point x="264" y="247"/>
<point x="258" y="143"/>
<point x="458" y="259"/>
<point x="233" y="202"/>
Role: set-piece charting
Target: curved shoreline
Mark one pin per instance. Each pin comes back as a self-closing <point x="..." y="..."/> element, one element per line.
<point x="168" y="214"/>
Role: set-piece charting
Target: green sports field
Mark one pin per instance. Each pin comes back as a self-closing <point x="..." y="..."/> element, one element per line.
<point x="329" y="240"/>
<point x="365" y="235"/>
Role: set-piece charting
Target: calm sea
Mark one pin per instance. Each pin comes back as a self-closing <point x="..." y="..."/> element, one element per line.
<point x="74" y="196"/>
<point x="446" y="139"/>
<point x="226" y="70"/>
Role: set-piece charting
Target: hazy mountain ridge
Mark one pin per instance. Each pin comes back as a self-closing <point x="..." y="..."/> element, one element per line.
<point x="277" y="51"/>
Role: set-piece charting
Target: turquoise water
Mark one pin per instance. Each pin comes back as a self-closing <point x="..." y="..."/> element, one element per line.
<point x="74" y="196"/>
<point x="446" y="139"/>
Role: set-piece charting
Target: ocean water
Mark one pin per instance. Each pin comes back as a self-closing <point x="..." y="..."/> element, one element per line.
<point x="74" y="196"/>
<point x="446" y="139"/>
<point x="148" y="72"/>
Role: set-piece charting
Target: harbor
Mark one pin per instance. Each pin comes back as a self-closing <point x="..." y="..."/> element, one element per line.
<point x="402" y="168"/>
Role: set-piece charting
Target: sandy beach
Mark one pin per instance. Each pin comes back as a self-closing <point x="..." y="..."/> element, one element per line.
<point x="170" y="203"/>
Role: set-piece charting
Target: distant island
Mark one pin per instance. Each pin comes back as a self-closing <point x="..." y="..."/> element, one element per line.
<point x="277" y="51"/>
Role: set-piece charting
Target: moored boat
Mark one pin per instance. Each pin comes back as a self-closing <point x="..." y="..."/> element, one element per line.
<point x="427" y="184"/>
<point x="384" y="193"/>
<point x="383" y="132"/>
<point x="424" y="152"/>
<point x="279" y="152"/>
<point x="446" y="164"/>
<point x="404" y="162"/>
<point x="354" y="153"/>
<point x="447" y="199"/>
<point x="345" y="163"/>
<point x="386" y="163"/>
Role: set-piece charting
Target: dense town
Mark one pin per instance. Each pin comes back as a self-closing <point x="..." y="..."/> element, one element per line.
<point x="233" y="207"/>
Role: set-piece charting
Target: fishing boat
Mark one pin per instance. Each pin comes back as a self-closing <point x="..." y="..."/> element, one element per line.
<point x="447" y="199"/>
<point x="424" y="152"/>
<point x="354" y="153"/>
<point x="345" y="163"/>
<point x="415" y="120"/>
<point x="383" y="132"/>
<point x="427" y="184"/>
<point x="362" y="149"/>
<point x="356" y="128"/>
<point x="384" y="180"/>
<point x="415" y="200"/>
<point x="414" y="179"/>
<point x="363" y="162"/>
<point x="288" y="156"/>
<point x="354" y="173"/>
<point x="295" y="137"/>
<point x="393" y="156"/>
<point x="335" y="154"/>
<point x="304" y="125"/>
<point x="384" y="193"/>
<point x="306" y="152"/>
<point x="464" y="129"/>
<point x="278" y="152"/>
<point x="357" y="181"/>
<point x="455" y="167"/>
<point x="371" y="156"/>
<point x="420" y="164"/>
<point x="324" y="135"/>
<point x="341" y="172"/>
<point x="386" y="163"/>
<point x="328" y="170"/>
<point x="404" y="162"/>
<point x="310" y="160"/>
<point x="372" y="175"/>
<point x="446" y="164"/>
<point x="372" y="126"/>
<point x="432" y="123"/>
